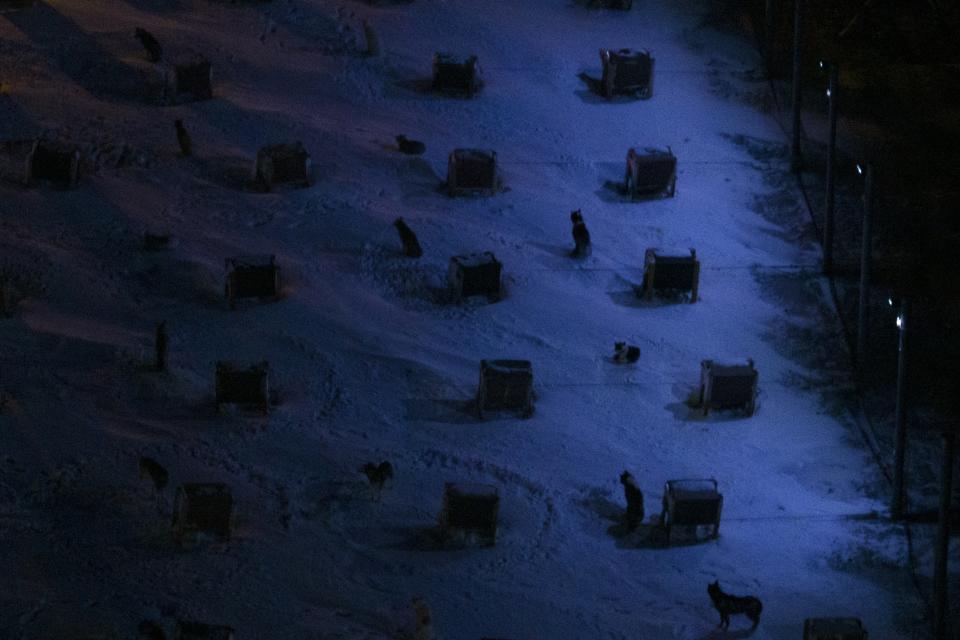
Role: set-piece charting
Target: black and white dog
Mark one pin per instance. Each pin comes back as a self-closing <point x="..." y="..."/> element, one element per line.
<point x="624" y="353"/>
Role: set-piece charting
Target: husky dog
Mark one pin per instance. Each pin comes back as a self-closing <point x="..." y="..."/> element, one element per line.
<point x="624" y="353"/>
<point x="411" y="246"/>
<point x="183" y="138"/>
<point x="423" y="629"/>
<point x="149" y="43"/>
<point x="728" y="605"/>
<point x="410" y="147"/>
<point x="581" y="237"/>
<point x="147" y="630"/>
<point x="634" y="500"/>
<point x="155" y="471"/>
<point x="378" y="475"/>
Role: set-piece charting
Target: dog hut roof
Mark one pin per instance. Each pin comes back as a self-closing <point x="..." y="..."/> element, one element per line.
<point x="731" y="368"/>
<point x="835" y="626"/>
<point x="693" y="489"/>
<point x="475" y="259"/>
<point x="261" y="260"/>
<point x="472" y="489"/>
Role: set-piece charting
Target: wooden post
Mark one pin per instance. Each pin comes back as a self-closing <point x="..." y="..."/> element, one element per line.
<point x="828" y="222"/>
<point x="940" y="601"/>
<point x="161" y="346"/>
<point x="768" y="37"/>
<point x="796" y="161"/>
<point x="899" y="496"/>
<point x="865" y="250"/>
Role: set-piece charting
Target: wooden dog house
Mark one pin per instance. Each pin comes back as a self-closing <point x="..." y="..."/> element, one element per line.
<point x="470" y="511"/>
<point x="201" y="631"/>
<point x="456" y="74"/>
<point x="251" y="277"/>
<point x="16" y="160"/>
<point x="475" y="274"/>
<point x="691" y="504"/>
<point x="202" y="510"/>
<point x="626" y="72"/>
<point x="728" y="386"/>
<point x="505" y="385"/>
<point x="189" y="79"/>
<point x="833" y="629"/>
<point x="282" y="164"/>
<point x="472" y="172"/>
<point x="651" y="173"/>
<point x="624" y="5"/>
<point x="247" y="387"/>
<point x="670" y="276"/>
<point x="56" y="162"/>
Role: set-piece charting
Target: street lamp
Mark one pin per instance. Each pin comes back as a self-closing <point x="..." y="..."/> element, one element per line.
<point x="898" y="504"/>
<point x="862" y="311"/>
<point x="828" y="222"/>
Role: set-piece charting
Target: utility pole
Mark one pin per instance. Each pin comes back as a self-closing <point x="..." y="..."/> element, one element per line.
<point x="940" y="601"/>
<point x="862" y="310"/>
<point x="796" y="161"/>
<point x="828" y="223"/>
<point x="899" y="495"/>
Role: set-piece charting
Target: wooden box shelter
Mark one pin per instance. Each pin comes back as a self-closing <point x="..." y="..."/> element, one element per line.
<point x="201" y="631"/>
<point x="670" y="276"/>
<point x="833" y="629"/>
<point x="728" y="386"/>
<point x="56" y="162"/>
<point x="472" y="172"/>
<point x="626" y="72"/>
<point x="624" y="5"/>
<point x="505" y="385"/>
<point x="247" y="387"/>
<point x="651" y="173"/>
<point x="251" y="277"/>
<point x="455" y="74"/>
<point x="189" y="79"/>
<point x="16" y="160"/>
<point x="691" y="504"/>
<point x="475" y="274"/>
<point x="470" y="511"/>
<point x="202" y="510"/>
<point x="287" y="163"/>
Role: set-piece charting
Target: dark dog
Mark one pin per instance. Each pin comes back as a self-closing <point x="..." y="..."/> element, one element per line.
<point x="410" y="147"/>
<point x="624" y="353"/>
<point x="149" y="43"/>
<point x="634" y="500"/>
<point x="378" y="475"/>
<point x="581" y="237"/>
<point x="155" y="471"/>
<point x="728" y="605"/>
<point x="411" y="246"/>
<point x="183" y="139"/>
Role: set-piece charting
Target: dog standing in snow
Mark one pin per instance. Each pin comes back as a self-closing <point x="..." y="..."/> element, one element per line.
<point x="634" y="500"/>
<point x="727" y="605"/>
<point x="410" y="147"/>
<point x="423" y="625"/>
<point x="581" y="236"/>
<point x="183" y="139"/>
<point x="624" y="353"/>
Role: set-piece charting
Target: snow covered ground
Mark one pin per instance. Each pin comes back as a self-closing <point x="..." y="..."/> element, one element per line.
<point x="369" y="363"/>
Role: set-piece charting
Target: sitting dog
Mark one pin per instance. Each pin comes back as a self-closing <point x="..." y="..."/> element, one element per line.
<point x="410" y="147"/>
<point x="411" y="246"/>
<point x="183" y="139"/>
<point x="154" y="52"/>
<point x="728" y="605"/>
<point x="581" y="236"/>
<point x="378" y="475"/>
<point x="634" y="500"/>
<point x="155" y="471"/>
<point x="423" y="629"/>
<point x="624" y="353"/>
